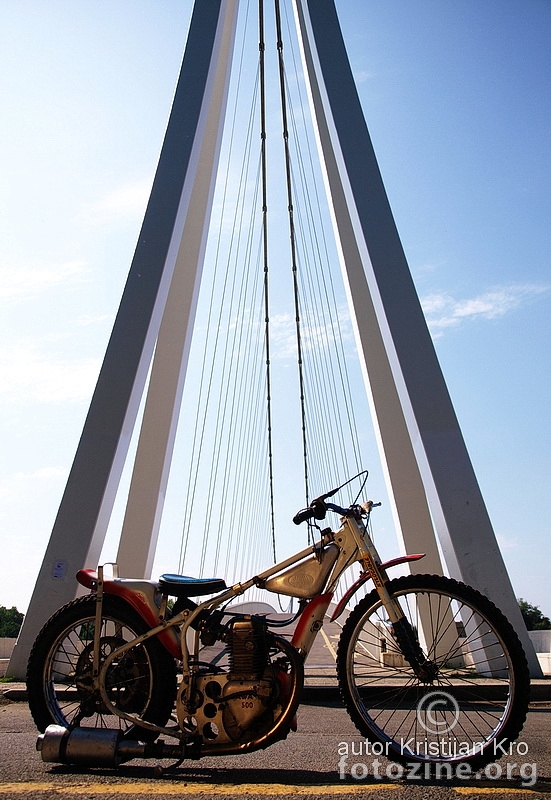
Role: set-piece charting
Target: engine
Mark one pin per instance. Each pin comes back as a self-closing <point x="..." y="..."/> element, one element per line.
<point x="241" y="701"/>
<point x="248" y="648"/>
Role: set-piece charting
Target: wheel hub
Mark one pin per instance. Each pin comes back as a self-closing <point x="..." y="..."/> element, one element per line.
<point x="126" y="685"/>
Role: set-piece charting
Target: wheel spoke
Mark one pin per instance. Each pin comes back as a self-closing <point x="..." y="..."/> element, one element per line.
<point x="473" y="690"/>
<point x="60" y="677"/>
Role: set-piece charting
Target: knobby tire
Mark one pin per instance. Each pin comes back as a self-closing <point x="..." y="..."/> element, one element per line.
<point x="59" y="671"/>
<point x="474" y="703"/>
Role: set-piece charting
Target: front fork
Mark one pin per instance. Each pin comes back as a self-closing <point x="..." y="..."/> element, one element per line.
<point x="403" y="631"/>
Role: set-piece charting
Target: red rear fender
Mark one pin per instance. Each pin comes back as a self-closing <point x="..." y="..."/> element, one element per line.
<point x="141" y="595"/>
<point x="88" y="578"/>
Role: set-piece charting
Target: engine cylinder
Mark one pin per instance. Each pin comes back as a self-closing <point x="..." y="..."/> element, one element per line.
<point x="248" y="648"/>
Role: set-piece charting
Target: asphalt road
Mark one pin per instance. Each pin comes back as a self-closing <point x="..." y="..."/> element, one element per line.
<point x="305" y="765"/>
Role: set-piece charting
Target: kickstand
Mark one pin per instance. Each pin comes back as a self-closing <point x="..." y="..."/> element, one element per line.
<point x="159" y="770"/>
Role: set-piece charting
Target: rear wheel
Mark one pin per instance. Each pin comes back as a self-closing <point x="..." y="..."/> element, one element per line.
<point x="60" y="670"/>
<point x="464" y="703"/>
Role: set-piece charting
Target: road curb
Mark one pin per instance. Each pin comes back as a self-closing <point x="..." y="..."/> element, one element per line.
<point x="540" y="692"/>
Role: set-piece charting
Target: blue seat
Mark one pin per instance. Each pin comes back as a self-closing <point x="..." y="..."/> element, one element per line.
<point x="184" y="586"/>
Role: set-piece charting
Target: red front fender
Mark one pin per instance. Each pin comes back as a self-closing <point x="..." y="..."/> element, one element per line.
<point x="365" y="577"/>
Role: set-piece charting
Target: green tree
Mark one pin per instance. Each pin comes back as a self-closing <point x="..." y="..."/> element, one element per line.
<point x="10" y="622"/>
<point x="533" y="618"/>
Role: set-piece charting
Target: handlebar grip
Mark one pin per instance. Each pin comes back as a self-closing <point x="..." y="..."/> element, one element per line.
<point x="317" y="509"/>
<point x="302" y="515"/>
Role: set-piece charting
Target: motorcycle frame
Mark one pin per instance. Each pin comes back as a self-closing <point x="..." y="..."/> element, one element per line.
<point x="355" y="545"/>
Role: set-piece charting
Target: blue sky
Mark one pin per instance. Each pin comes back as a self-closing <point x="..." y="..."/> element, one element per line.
<point x="456" y="96"/>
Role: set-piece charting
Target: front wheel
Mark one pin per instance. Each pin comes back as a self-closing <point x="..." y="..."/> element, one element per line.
<point x="466" y="702"/>
<point x="60" y="683"/>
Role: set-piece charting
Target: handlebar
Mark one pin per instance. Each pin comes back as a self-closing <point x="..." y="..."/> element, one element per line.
<point x="318" y="509"/>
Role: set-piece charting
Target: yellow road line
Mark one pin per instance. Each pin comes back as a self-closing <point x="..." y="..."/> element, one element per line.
<point x="230" y="789"/>
<point x="329" y="645"/>
<point x="472" y="789"/>
<point x="189" y="788"/>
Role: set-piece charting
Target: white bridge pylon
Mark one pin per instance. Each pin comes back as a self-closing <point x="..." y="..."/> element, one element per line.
<point x="430" y="478"/>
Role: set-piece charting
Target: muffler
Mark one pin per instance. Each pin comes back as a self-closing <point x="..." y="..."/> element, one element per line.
<point x="98" y="747"/>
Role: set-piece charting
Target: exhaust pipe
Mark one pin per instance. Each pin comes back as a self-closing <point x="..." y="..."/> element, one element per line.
<point x="99" y="747"/>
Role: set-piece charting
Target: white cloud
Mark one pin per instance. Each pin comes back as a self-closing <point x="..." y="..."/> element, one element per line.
<point x="19" y="483"/>
<point x="31" y="280"/>
<point x="436" y="303"/>
<point x="128" y="200"/>
<point x="27" y="374"/>
<point x="88" y="320"/>
<point x="506" y="542"/>
<point x="283" y="336"/>
<point x="362" y="75"/>
<point x="444" y="311"/>
<point x="427" y="268"/>
<point x="319" y="337"/>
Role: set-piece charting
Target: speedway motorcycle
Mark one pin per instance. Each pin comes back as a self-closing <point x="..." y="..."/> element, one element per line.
<point x="138" y="669"/>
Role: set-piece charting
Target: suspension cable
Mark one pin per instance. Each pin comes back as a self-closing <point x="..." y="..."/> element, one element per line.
<point x="262" y="50"/>
<point x="236" y="411"/>
<point x="293" y="244"/>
